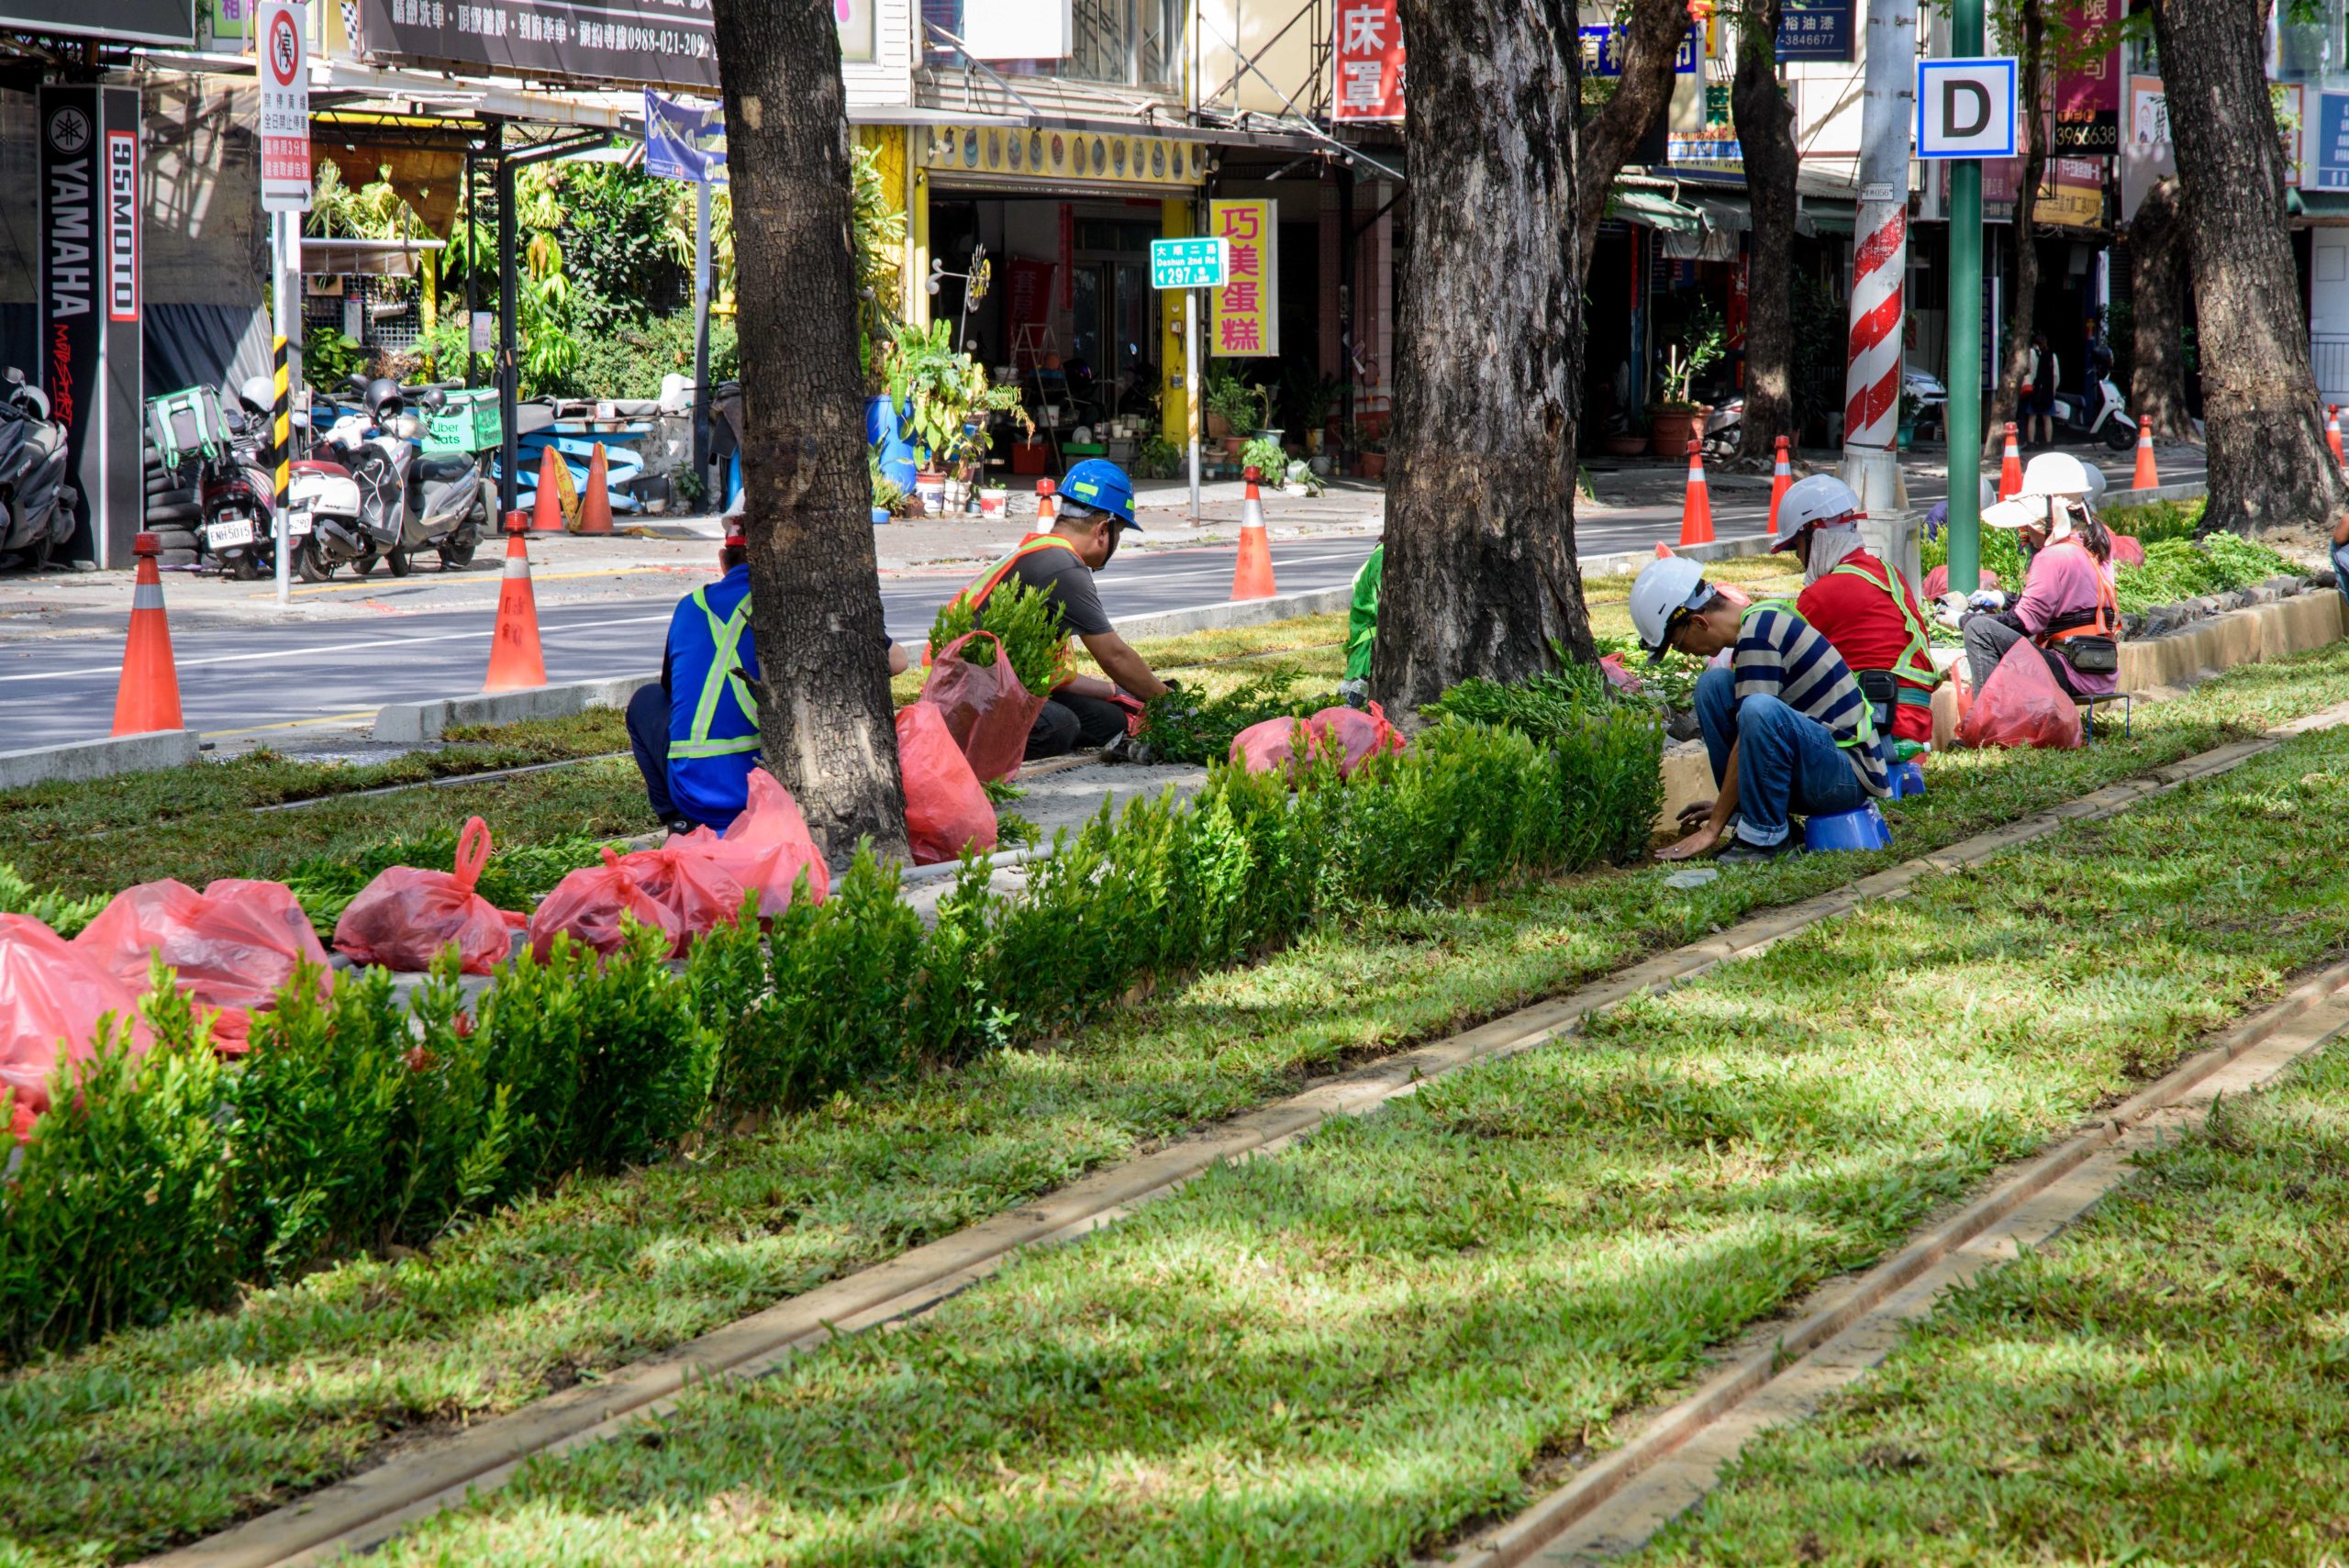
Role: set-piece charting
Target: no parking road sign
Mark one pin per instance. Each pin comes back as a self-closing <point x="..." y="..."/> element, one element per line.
<point x="284" y="107"/>
<point x="1965" y="108"/>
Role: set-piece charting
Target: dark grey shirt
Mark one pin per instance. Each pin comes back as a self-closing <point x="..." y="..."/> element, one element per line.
<point x="1070" y="582"/>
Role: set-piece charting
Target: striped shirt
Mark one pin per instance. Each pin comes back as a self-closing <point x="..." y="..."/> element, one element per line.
<point x="1779" y="654"/>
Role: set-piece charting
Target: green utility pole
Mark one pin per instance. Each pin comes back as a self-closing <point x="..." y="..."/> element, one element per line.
<point x="1962" y="416"/>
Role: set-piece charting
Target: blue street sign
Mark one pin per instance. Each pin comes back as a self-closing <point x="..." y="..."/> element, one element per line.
<point x="1189" y="263"/>
<point x="1602" y="52"/>
<point x="1816" y="29"/>
<point x="681" y="143"/>
<point x="2331" y="148"/>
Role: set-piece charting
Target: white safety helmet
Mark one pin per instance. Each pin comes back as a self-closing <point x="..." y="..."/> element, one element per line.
<point x="1665" y="586"/>
<point x="1821" y="501"/>
<point x="2025" y="511"/>
<point x="2059" y="473"/>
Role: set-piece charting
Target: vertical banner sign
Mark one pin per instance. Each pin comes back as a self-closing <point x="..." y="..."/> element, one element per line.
<point x="2087" y="99"/>
<point x="71" y="324"/>
<point x="1247" y="317"/>
<point x="90" y="308"/>
<point x="1368" y="64"/>
<point x="284" y="107"/>
<point x="122" y="225"/>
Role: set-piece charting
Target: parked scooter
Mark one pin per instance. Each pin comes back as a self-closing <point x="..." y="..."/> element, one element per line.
<point x="2101" y="416"/>
<point x="410" y="501"/>
<point x="37" y="505"/>
<point x="238" y="490"/>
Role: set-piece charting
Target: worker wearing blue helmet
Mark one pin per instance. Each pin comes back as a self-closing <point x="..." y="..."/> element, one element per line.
<point x="1095" y="506"/>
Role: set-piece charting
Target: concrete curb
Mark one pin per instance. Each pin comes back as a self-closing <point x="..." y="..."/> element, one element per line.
<point x="422" y="721"/>
<point x="2191" y="490"/>
<point x="77" y="761"/>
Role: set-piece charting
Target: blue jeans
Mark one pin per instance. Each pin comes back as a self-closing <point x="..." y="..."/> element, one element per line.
<point x="2340" y="569"/>
<point x="1788" y="764"/>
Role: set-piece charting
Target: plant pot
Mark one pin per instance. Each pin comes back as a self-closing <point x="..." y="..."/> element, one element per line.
<point x="1908" y="435"/>
<point x="1218" y="426"/>
<point x="880" y="516"/>
<point x="1623" y="446"/>
<point x="1313" y="443"/>
<point x="1233" y="445"/>
<point x="1671" y="429"/>
<point x="1373" y="465"/>
<point x="994" y="501"/>
<point x="930" y="487"/>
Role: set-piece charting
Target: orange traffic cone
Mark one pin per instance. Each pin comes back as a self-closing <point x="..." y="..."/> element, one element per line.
<point x="2010" y="467"/>
<point x="1251" y="578"/>
<point x="1781" y="477"/>
<point x="2147" y="477"/>
<point x="1663" y="551"/>
<point x="1696" y="509"/>
<point x="515" y="660"/>
<point x="546" y="515"/>
<point x="2333" y="434"/>
<point x="149" y="697"/>
<point x="596" y="505"/>
<point x="1047" y="508"/>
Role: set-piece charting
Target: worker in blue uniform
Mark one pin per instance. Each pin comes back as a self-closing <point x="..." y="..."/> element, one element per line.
<point x="695" y="734"/>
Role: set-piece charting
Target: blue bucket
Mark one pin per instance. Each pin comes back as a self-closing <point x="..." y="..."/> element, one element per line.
<point x="1907" y="778"/>
<point x="1862" y="830"/>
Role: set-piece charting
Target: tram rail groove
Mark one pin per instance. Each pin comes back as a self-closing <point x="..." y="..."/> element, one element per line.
<point x="363" y="1510"/>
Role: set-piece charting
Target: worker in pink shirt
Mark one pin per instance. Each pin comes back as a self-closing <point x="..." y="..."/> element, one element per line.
<point x="2066" y="608"/>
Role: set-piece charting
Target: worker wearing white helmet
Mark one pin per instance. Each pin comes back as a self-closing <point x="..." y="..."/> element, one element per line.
<point x="2067" y="608"/>
<point x="1786" y="729"/>
<point x="1867" y="610"/>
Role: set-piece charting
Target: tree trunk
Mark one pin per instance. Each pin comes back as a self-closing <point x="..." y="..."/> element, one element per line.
<point x="2267" y="456"/>
<point x="2023" y="306"/>
<point x="1480" y="555"/>
<point x="2157" y="313"/>
<point x="825" y="719"/>
<point x="1766" y="130"/>
<point x="1651" y="35"/>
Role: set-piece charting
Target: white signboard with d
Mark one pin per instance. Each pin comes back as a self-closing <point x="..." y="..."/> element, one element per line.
<point x="1965" y="108"/>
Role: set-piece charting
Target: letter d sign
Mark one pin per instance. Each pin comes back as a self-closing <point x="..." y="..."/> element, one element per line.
<point x="1965" y="108"/>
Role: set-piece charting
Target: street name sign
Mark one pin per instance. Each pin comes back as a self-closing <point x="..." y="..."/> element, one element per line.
<point x="1965" y="108"/>
<point x="1189" y="263"/>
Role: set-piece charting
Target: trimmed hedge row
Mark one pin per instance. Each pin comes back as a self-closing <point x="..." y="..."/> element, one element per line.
<point x="366" y="1119"/>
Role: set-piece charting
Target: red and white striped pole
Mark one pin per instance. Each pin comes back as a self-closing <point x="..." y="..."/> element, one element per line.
<point x="1880" y="262"/>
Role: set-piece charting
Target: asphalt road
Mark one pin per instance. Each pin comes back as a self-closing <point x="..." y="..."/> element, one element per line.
<point x="254" y="680"/>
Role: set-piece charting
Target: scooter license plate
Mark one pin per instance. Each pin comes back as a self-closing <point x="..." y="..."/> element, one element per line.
<point x="297" y="523"/>
<point x="229" y="531"/>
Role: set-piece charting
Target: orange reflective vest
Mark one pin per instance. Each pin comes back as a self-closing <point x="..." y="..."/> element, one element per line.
<point x="974" y="593"/>
<point x="2108" y="607"/>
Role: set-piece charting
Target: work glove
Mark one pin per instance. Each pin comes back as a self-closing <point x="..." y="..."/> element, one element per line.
<point x="1985" y="599"/>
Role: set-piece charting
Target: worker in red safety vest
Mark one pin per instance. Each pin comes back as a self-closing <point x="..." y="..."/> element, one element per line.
<point x="1096" y="506"/>
<point x="1866" y="609"/>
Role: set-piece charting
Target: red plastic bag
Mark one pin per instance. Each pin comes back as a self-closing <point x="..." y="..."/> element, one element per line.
<point x="945" y="807"/>
<point x="1621" y="679"/>
<point x="1937" y="581"/>
<point x="987" y="708"/>
<point x="764" y="848"/>
<point x="588" y="904"/>
<point x="1354" y="737"/>
<point x="2127" y="551"/>
<point x="2020" y="705"/>
<point x="51" y="998"/>
<point x="407" y="914"/>
<point x="234" y="945"/>
<point x="1273" y="745"/>
<point x="699" y="893"/>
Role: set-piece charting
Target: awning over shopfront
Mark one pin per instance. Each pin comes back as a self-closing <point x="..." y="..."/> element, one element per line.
<point x="1653" y="209"/>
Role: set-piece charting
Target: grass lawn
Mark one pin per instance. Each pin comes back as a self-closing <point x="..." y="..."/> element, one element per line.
<point x="1346" y="1353"/>
<point x="2161" y="1384"/>
<point x="164" y="1432"/>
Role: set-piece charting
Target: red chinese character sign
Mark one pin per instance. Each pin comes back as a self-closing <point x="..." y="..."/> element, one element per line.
<point x="1247" y="317"/>
<point x="1368" y="62"/>
<point x="284" y="107"/>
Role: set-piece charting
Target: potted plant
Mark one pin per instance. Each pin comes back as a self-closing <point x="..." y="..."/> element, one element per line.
<point x="948" y="398"/>
<point x="1370" y="453"/>
<point x="1232" y="408"/>
<point x="1315" y="398"/>
<point x="1676" y="417"/>
<point x="1909" y="404"/>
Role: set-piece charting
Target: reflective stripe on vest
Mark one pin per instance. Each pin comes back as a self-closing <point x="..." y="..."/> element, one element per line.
<point x="1866" y="735"/>
<point x="726" y="637"/>
<point x="1921" y="661"/>
<point x="986" y="583"/>
<point x="2102" y="625"/>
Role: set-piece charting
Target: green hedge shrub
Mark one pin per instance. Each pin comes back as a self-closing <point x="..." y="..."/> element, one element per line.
<point x="366" y="1118"/>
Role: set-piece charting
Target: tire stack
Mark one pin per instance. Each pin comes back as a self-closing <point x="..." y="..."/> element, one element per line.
<point x="172" y="512"/>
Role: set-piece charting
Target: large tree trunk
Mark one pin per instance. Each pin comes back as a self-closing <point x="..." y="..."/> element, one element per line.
<point x="2267" y="456"/>
<point x="1765" y="129"/>
<point x="2157" y="313"/>
<point x="2023" y="305"/>
<point x="825" y="717"/>
<point x="1651" y="35"/>
<point x="1480" y="553"/>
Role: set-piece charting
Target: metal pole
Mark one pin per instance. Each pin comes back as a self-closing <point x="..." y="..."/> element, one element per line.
<point x="1191" y="298"/>
<point x="509" y="483"/>
<point x="286" y="230"/>
<point x="1880" y="260"/>
<point x="701" y="340"/>
<point x="470" y="369"/>
<point x="1963" y="415"/>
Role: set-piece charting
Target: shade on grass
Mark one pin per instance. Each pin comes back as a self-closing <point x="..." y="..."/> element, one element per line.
<point x="161" y="1433"/>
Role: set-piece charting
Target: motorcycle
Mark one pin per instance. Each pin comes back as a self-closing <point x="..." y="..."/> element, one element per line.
<point x="37" y="506"/>
<point x="238" y="491"/>
<point x="2101" y="415"/>
<point x="379" y="497"/>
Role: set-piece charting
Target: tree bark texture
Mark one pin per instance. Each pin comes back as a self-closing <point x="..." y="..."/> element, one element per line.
<point x="2157" y="312"/>
<point x="1652" y="33"/>
<point x="1765" y="129"/>
<point x="1481" y="575"/>
<point x="2022" y="305"/>
<point x="2268" y="462"/>
<point x="825" y="717"/>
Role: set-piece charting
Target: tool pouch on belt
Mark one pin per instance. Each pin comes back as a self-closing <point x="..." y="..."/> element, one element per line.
<point x="2089" y="655"/>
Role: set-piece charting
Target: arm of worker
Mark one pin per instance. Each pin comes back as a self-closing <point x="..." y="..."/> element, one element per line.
<point x="1715" y="821"/>
<point x="898" y="662"/>
<point x="1124" y="666"/>
<point x="2341" y="529"/>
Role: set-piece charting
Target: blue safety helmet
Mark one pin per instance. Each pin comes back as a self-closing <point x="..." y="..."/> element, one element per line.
<point x="1103" y="486"/>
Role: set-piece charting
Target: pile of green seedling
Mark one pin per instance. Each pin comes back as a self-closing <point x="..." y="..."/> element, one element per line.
<point x="2184" y="569"/>
<point x="164" y="1182"/>
<point x="1182" y="726"/>
<point x="1025" y="621"/>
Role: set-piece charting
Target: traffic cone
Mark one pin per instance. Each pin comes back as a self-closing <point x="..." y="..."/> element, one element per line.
<point x="1663" y="551"/>
<point x="2148" y="477"/>
<point x="2333" y="434"/>
<point x="149" y="697"/>
<point x="1251" y="578"/>
<point x="1696" y="509"/>
<point x="515" y="660"/>
<point x="546" y="515"/>
<point x="596" y="505"/>
<point x="1047" y="508"/>
<point x="2010" y="467"/>
<point x="1781" y="477"/>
